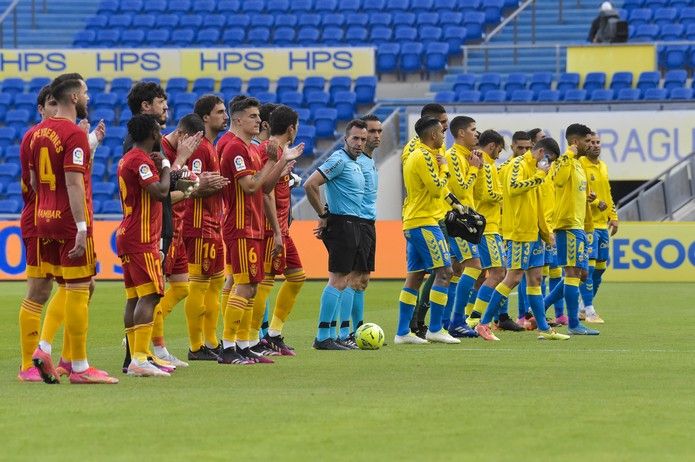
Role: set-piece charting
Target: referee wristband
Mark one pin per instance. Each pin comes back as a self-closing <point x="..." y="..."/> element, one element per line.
<point x="166" y="163"/>
<point x="81" y="226"/>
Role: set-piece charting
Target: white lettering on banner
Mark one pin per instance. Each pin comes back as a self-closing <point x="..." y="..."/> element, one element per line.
<point x="636" y="145"/>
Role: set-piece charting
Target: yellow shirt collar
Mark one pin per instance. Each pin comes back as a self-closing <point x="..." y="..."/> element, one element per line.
<point x="487" y="158"/>
<point x="461" y="149"/>
<point x="529" y="159"/>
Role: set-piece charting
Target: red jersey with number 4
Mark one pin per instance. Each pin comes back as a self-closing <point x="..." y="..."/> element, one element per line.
<point x="204" y="217"/>
<point x="27" y="221"/>
<point x="58" y="146"/>
<point x="178" y="209"/>
<point x="282" y="198"/>
<point x="141" y="227"/>
<point x="244" y="216"/>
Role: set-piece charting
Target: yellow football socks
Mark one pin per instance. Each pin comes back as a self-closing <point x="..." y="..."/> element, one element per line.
<point x="236" y="306"/>
<point x="55" y="314"/>
<point x="142" y="336"/>
<point x="212" y="310"/>
<point x="29" y="325"/>
<point x="262" y="294"/>
<point x="77" y="320"/>
<point x="287" y="296"/>
<point x="195" y="311"/>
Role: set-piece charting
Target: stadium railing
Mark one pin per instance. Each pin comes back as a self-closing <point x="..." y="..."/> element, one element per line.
<point x="10" y="10"/>
<point x="668" y="196"/>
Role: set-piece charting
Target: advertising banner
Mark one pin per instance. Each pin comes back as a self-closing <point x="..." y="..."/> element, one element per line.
<point x="191" y="63"/>
<point x="636" y="145"/>
<point x="648" y="252"/>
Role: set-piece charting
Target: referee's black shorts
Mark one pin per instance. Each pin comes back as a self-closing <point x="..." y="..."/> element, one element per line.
<point x="351" y="244"/>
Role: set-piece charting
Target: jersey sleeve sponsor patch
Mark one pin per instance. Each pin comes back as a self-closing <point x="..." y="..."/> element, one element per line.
<point x="78" y="156"/>
<point x="197" y="166"/>
<point x="145" y="172"/>
<point x="239" y="164"/>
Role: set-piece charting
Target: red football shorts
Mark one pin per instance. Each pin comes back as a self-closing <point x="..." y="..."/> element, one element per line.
<point x="244" y="260"/>
<point x="142" y="274"/>
<point x="289" y="259"/>
<point x="205" y="256"/>
<point x="177" y="260"/>
<point x="56" y="262"/>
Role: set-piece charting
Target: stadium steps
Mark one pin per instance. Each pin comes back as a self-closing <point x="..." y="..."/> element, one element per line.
<point x="55" y="28"/>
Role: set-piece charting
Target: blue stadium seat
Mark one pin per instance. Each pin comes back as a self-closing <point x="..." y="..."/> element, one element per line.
<point x="313" y="83"/>
<point x="455" y="36"/>
<point x="188" y="99"/>
<point x="574" y="95"/>
<point x="111" y="207"/>
<point x="304" y="115"/>
<point x="133" y="38"/>
<point x="601" y="94"/>
<point x="105" y="101"/>
<point x="690" y="32"/>
<point x="681" y="93"/>
<point x="157" y="6"/>
<point x="397" y="6"/>
<point x="301" y="6"/>
<point x="157" y="37"/>
<point x="306" y="134"/>
<point x="107" y="38"/>
<point x="429" y="34"/>
<point x="14" y="189"/>
<point x="95" y="84"/>
<point x="632" y="4"/>
<point x="102" y="153"/>
<point x="468" y="96"/>
<point x="167" y="21"/>
<point x="84" y="39"/>
<point x="380" y="19"/>
<point x="96" y="206"/>
<point x="26" y="101"/>
<point x="380" y="34"/>
<point x="108" y="6"/>
<point x="374" y="6"/>
<point x="180" y="6"/>
<point x="594" y="81"/>
<point x="654" y="4"/>
<point x="548" y="96"/>
<point x="98" y="171"/>
<point x="675" y="79"/>
<point x="365" y="89"/>
<point x="131" y="6"/>
<point x="387" y="55"/>
<point x="205" y="6"/>
<point x="266" y="97"/>
<point x="332" y="36"/>
<point x="495" y="96"/>
<point x="567" y="81"/>
<point x="333" y="20"/>
<point x="308" y="36"/>
<point x="97" y="22"/>
<point x="411" y="57"/>
<point x="103" y="191"/>
<point x="445" y="5"/>
<point x="629" y="94"/>
<point x="521" y="96"/>
<point x="356" y="35"/>
<point x="421" y="6"/>
<point x="121" y="84"/>
<point x="540" y="81"/>
<point x="490" y="81"/>
<point x="356" y="19"/>
<point x="648" y="79"/>
<point x="473" y="22"/>
<point x="679" y="4"/>
<point x="493" y="11"/>
<point x="115" y="136"/>
<point x="17" y="118"/>
<point x="193" y="21"/>
<point x="405" y="34"/>
<point x="665" y="16"/>
<point x="428" y="19"/>
<point x="672" y="32"/>
<point x="177" y="85"/>
<point x="436" y="56"/>
<point x="112" y="169"/>
<point x="208" y="38"/>
<point x="180" y="111"/>
<point x="229" y="6"/>
<point x="285" y="84"/>
<point x="238" y="20"/>
<point x="107" y="115"/>
<point x="404" y="19"/>
<point x="464" y="82"/>
<point x="286" y="20"/>
<point x="621" y="80"/>
<point x="640" y="16"/>
<point x="445" y="97"/>
<point x="317" y="100"/>
<point x="236" y="36"/>
<point x="258" y="36"/>
<point x="12" y="156"/>
<point x="674" y="56"/>
<point x="9" y="173"/>
<point x="344" y="103"/>
<point x="338" y="84"/>
<point x="469" y="4"/>
<point x="515" y="81"/>
<point x="182" y="37"/>
<point x="326" y="6"/>
<point x="450" y="19"/>
<point x="687" y="16"/>
<point x="120" y="21"/>
<point x="263" y="20"/>
<point x="230" y="84"/>
<point x="9" y="205"/>
<point x="652" y="94"/>
<point x="645" y="33"/>
<point x="214" y="20"/>
<point x="203" y="85"/>
<point x="117" y="153"/>
<point x="124" y="117"/>
<point x="257" y="84"/>
<point x="278" y="5"/>
<point x="324" y="122"/>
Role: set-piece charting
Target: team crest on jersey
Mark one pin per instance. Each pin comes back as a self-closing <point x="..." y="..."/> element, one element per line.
<point x="206" y="265"/>
<point x="593" y="178"/>
<point x="239" y="163"/>
<point x="145" y="171"/>
<point x="78" y="156"/>
<point x="253" y="269"/>
<point x="197" y="166"/>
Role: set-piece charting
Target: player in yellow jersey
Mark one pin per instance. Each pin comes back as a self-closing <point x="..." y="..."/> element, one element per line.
<point x="528" y="229"/>
<point x="425" y="174"/>
<point x="572" y="220"/>
<point x="488" y="194"/>
<point x="464" y="163"/>
<point x="604" y="218"/>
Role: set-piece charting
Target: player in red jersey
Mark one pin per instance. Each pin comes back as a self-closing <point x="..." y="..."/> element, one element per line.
<point x="202" y="234"/>
<point x="281" y="256"/>
<point x="60" y="165"/>
<point x="244" y="223"/>
<point x="138" y="235"/>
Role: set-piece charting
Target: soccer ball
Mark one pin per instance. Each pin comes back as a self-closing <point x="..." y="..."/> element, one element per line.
<point x="369" y="337"/>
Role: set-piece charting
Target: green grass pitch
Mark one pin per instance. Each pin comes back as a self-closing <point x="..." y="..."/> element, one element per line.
<point x="626" y="395"/>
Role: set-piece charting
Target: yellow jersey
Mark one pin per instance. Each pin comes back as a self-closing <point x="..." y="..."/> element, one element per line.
<point x="523" y="203"/>
<point x="548" y="197"/>
<point x="503" y="171"/>
<point x="488" y="195"/>
<point x="597" y="177"/>
<point x="415" y="145"/>
<point x="463" y="174"/>
<point x="571" y="192"/>
<point x="425" y="186"/>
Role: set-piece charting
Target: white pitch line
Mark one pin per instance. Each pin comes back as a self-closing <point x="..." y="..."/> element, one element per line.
<point x="600" y="350"/>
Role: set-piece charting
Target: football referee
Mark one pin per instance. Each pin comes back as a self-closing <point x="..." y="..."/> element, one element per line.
<point x="340" y="227"/>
